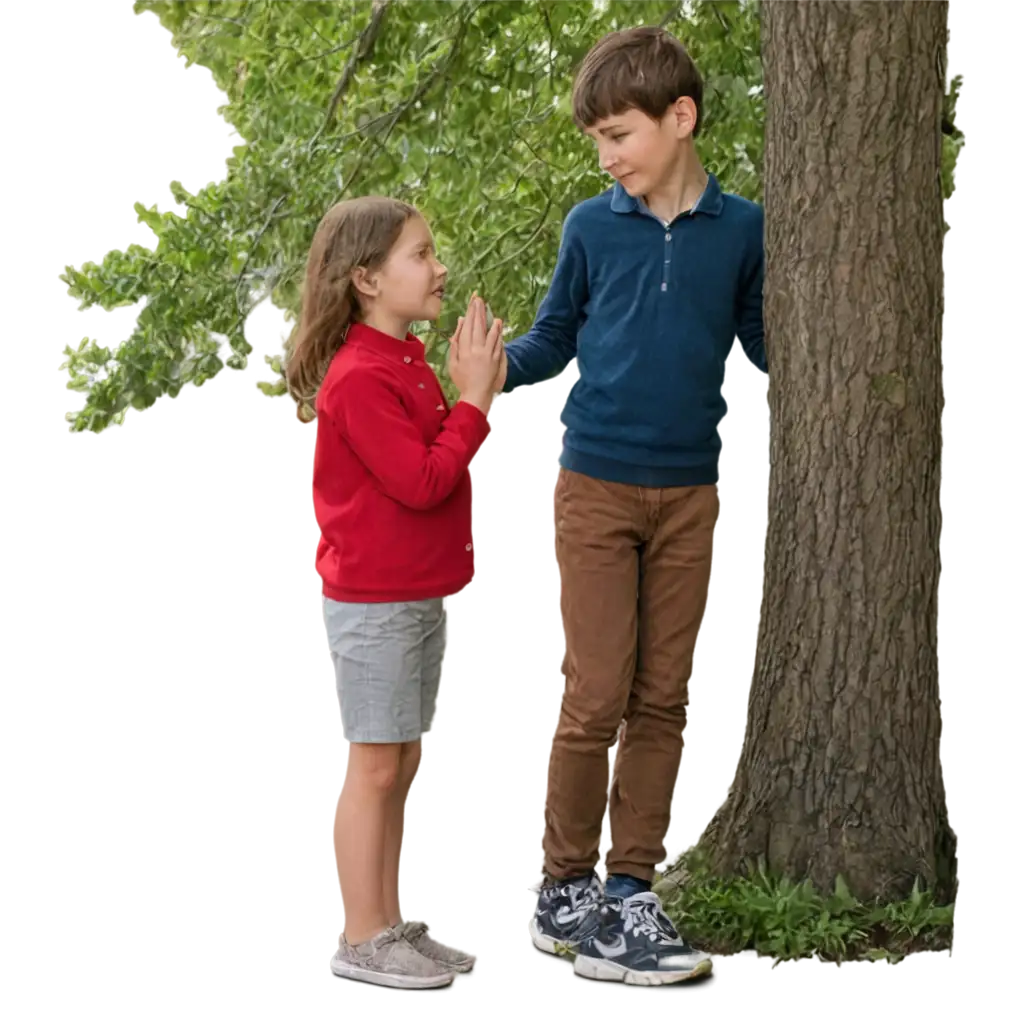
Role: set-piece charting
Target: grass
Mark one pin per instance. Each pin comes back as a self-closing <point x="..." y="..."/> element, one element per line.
<point x="789" y="920"/>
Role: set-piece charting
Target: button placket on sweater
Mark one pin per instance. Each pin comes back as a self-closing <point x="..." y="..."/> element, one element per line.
<point x="667" y="261"/>
<point x="671" y="236"/>
<point x="668" y="229"/>
<point x="421" y="385"/>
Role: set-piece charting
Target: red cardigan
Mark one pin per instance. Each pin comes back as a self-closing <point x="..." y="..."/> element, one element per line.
<point x="391" y="484"/>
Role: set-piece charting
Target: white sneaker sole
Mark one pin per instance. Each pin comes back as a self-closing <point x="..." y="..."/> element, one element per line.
<point x="607" y="970"/>
<point x="546" y="944"/>
<point x="356" y="973"/>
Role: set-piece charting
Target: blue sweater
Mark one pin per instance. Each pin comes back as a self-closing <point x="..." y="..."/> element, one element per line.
<point x="650" y="313"/>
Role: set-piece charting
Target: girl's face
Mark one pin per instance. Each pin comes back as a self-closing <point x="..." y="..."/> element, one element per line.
<point x="410" y="285"/>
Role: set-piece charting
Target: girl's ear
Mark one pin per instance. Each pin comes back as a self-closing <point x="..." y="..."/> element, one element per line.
<point x="365" y="283"/>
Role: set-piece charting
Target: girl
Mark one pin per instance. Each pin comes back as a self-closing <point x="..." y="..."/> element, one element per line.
<point x="391" y="492"/>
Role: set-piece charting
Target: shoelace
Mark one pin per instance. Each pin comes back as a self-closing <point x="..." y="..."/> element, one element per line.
<point x="379" y="942"/>
<point x="644" y="916"/>
<point x="581" y="896"/>
<point x="412" y="930"/>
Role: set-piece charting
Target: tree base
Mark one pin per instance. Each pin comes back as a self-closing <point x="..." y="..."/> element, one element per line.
<point x="881" y="865"/>
<point x="789" y="920"/>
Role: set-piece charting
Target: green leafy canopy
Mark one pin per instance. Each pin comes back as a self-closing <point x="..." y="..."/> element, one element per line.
<point x="460" y="108"/>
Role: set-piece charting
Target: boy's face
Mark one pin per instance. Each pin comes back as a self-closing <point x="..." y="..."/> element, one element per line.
<point x="639" y="152"/>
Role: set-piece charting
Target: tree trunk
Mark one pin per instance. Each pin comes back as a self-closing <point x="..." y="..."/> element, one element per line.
<point x="840" y="772"/>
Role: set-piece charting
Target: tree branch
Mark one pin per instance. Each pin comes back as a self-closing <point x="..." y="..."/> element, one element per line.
<point x="721" y="17"/>
<point x="669" y="16"/>
<point x="327" y="53"/>
<point x="541" y="221"/>
<point x="362" y="50"/>
<point x="239" y="280"/>
<point x="439" y="70"/>
<point x="551" y="46"/>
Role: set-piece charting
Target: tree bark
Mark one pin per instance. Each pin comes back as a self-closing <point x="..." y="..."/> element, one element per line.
<point x="840" y="772"/>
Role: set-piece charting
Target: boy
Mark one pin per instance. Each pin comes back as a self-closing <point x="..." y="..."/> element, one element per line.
<point x="654" y="280"/>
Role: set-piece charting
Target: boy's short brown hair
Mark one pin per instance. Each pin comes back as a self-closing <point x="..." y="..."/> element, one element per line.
<point x="647" y="68"/>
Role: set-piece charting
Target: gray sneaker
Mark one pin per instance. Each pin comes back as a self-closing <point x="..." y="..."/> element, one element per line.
<point x="388" y="959"/>
<point x="415" y="933"/>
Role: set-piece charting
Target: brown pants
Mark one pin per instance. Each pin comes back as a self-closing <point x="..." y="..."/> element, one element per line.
<point x="635" y="564"/>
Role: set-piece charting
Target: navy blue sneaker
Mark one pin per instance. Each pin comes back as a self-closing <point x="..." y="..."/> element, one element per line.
<point x="566" y="911"/>
<point x="633" y="941"/>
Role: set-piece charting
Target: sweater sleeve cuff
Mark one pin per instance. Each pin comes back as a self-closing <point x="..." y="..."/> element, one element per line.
<point x="512" y="376"/>
<point x="471" y="423"/>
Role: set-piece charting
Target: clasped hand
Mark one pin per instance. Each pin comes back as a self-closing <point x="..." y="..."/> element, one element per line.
<point x="477" y="363"/>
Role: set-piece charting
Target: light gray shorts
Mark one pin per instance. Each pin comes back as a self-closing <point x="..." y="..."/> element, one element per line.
<point x="387" y="667"/>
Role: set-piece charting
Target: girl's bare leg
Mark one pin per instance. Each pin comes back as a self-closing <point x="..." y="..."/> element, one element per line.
<point x="360" y="830"/>
<point x="410" y="761"/>
<point x="434" y="951"/>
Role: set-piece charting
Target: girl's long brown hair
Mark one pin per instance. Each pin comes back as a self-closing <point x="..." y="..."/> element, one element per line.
<point x="354" y="233"/>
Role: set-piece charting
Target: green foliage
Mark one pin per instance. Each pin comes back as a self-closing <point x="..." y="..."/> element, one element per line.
<point x="791" y="920"/>
<point x="458" y="106"/>
<point x="952" y="137"/>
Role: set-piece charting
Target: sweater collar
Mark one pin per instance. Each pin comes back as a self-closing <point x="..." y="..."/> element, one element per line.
<point x="710" y="201"/>
<point x="396" y="349"/>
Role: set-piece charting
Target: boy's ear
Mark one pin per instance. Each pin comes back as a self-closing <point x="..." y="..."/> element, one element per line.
<point x="365" y="283"/>
<point x="685" y="111"/>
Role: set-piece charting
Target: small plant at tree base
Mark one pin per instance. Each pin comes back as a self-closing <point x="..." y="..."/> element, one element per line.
<point x="790" y="920"/>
